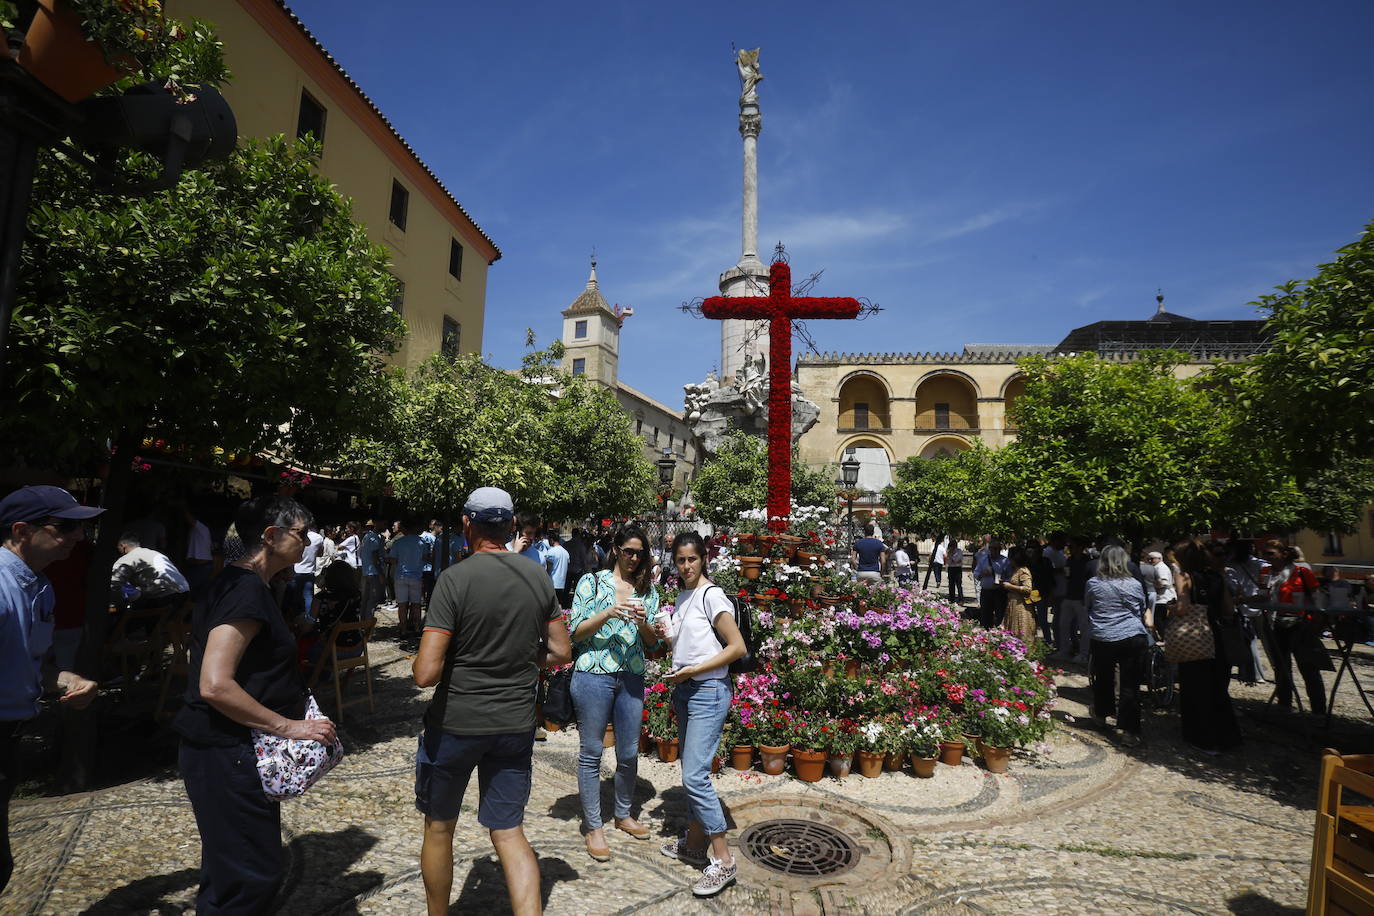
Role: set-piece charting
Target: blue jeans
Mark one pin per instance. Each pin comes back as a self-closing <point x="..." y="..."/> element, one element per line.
<point x="599" y="700"/>
<point x="701" y="708"/>
<point x="303" y="592"/>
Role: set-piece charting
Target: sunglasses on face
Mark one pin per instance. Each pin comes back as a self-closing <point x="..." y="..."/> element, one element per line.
<point x="61" y="525"/>
<point x="633" y="551"/>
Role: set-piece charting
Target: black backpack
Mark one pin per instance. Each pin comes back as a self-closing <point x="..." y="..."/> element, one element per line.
<point x="748" y="662"/>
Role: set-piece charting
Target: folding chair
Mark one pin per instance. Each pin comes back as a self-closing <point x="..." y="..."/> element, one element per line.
<point x="1343" y="842"/>
<point x="346" y="663"/>
<point x="131" y="643"/>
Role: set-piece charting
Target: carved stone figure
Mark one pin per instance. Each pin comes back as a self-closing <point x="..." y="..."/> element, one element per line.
<point x="752" y="382"/>
<point x="749" y="74"/>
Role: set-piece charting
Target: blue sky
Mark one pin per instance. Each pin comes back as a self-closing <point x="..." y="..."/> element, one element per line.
<point x="988" y="173"/>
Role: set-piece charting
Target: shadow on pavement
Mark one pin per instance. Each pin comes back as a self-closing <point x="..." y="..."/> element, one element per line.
<point x="1253" y="904"/>
<point x="484" y="889"/>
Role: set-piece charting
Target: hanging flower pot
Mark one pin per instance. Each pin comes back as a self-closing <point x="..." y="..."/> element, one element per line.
<point x="57" y="54"/>
<point x="996" y="759"/>
<point x="924" y="767"/>
<point x="742" y="756"/>
<point x="809" y="765"/>
<point x="831" y="600"/>
<point x="871" y="764"/>
<point x="840" y="764"/>
<point x="751" y="567"/>
<point x="951" y="752"/>
<point x="667" y="750"/>
<point x="774" y="758"/>
<point x="894" y="761"/>
<point x="747" y="539"/>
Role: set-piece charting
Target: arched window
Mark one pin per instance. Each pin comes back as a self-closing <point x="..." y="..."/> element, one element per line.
<point x="946" y="402"/>
<point x="864" y="404"/>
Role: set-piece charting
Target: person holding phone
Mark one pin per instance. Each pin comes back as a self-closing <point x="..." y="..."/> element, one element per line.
<point x="705" y="639"/>
<point x="612" y="622"/>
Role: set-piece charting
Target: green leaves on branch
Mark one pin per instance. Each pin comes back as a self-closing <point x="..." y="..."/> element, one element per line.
<point x="735" y="479"/>
<point x="561" y="446"/>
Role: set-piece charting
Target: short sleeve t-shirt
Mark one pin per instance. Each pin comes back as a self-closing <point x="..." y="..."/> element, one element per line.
<point x="409" y="553"/>
<point x="428" y="538"/>
<point x="557" y="559"/>
<point x="267" y="672"/>
<point x="372" y="551"/>
<point x="497" y="607"/>
<point x="695" y="638"/>
<point x="870" y="551"/>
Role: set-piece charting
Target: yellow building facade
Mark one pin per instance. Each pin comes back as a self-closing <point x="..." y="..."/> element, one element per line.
<point x="285" y="82"/>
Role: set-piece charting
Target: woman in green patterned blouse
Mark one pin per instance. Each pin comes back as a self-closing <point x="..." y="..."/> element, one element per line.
<point x="612" y="622"/>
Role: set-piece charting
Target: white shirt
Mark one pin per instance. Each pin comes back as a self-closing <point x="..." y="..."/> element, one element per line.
<point x="306" y="567"/>
<point x="1164" y="582"/>
<point x="695" y="638"/>
<point x="348" y="550"/>
<point x="900" y="559"/>
<point x="198" y="542"/>
<point x="940" y="553"/>
<point x="326" y="556"/>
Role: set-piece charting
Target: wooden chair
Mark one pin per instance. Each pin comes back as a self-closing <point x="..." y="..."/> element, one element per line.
<point x="340" y="664"/>
<point x="178" y="635"/>
<point x="137" y="640"/>
<point x="1343" y="843"/>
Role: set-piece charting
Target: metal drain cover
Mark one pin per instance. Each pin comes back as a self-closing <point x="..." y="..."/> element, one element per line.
<point x="803" y="849"/>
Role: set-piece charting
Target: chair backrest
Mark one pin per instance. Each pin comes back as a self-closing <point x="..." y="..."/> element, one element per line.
<point x="362" y="627"/>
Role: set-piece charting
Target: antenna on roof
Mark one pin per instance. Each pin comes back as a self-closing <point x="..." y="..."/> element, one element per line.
<point x="1159" y="299"/>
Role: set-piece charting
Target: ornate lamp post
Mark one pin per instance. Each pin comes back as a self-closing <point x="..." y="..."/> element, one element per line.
<point x="849" y="476"/>
<point x="667" y="466"/>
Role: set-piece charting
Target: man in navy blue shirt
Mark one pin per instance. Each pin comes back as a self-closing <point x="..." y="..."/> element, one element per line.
<point x="868" y="555"/>
<point x="38" y="527"/>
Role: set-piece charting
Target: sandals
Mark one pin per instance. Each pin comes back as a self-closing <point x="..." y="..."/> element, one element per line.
<point x="639" y="833"/>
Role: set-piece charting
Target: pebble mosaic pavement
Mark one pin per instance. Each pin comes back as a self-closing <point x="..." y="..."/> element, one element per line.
<point x="1088" y="828"/>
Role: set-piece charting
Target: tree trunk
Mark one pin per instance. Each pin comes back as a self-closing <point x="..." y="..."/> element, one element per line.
<point x="80" y="739"/>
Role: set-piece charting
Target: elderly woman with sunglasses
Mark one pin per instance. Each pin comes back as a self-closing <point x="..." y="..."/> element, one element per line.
<point x="612" y="623"/>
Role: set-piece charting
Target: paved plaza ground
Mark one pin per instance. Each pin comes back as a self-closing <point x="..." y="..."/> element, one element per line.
<point x="1089" y="827"/>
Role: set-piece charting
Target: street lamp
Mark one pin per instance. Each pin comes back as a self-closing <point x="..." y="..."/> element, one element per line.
<point x="667" y="466"/>
<point x="849" y="474"/>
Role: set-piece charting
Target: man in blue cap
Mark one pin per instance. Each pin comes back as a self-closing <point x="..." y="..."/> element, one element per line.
<point x="38" y="526"/>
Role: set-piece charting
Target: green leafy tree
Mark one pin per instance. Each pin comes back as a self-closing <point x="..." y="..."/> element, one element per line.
<point x="735" y="480"/>
<point x="951" y="493"/>
<point x="560" y="445"/>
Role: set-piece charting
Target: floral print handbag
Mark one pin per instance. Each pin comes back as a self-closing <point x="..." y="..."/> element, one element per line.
<point x="290" y="766"/>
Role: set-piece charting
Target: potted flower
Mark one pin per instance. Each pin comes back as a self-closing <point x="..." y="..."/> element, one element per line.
<point x="922" y="736"/>
<point x="951" y="744"/>
<point x="895" y="747"/>
<point x="774" y="731"/>
<point x="77" y="47"/>
<point x="873" y="739"/>
<point x="844" y="742"/>
<point x="733" y="742"/>
<point x="662" y="724"/>
<point x="811" y="736"/>
<point x="1003" y="728"/>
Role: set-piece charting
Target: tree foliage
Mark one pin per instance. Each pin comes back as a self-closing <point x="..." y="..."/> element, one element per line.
<point x="560" y="445"/>
<point x="242" y="308"/>
<point x="735" y="479"/>
<point x="949" y="494"/>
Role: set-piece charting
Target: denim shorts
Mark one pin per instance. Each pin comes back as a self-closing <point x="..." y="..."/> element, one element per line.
<point x="444" y="764"/>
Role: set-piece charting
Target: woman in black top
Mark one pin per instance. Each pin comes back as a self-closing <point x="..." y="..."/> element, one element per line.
<point x="243" y="676"/>
<point x="1204" y="701"/>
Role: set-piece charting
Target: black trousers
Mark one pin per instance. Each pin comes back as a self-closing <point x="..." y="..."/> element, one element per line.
<point x="1204" y="705"/>
<point x="242" y="863"/>
<point x="992" y="606"/>
<point x="9" y="780"/>
<point x="933" y="568"/>
<point x="956" y="583"/>
<point x="1299" y="643"/>
<point x="1117" y="670"/>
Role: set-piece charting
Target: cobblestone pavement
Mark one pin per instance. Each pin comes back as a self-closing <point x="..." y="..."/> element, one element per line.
<point x="1087" y="828"/>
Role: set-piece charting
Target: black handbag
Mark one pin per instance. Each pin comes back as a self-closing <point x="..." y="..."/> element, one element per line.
<point x="558" y="704"/>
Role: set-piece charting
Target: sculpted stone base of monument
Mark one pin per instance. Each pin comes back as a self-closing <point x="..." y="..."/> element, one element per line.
<point x="712" y="410"/>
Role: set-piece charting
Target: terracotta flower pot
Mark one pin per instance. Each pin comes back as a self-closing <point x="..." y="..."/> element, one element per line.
<point x="552" y="726"/>
<point x="751" y="567"/>
<point x="742" y="756"/>
<point x="646" y="743"/>
<point x="608" y="739"/>
<point x="975" y="742"/>
<point x="774" y="758"/>
<point x="840" y="764"/>
<point x="924" y="767"/>
<point x="851" y="667"/>
<point x="58" y="55"/>
<point x="951" y="752"/>
<point x="716" y="764"/>
<point x="667" y="750"/>
<point x="797" y="606"/>
<point x="996" y="759"/>
<point x="809" y="765"/>
<point x="894" y="761"/>
<point x="870" y="764"/>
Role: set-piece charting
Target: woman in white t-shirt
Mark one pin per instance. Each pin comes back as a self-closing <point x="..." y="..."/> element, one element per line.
<point x="705" y="640"/>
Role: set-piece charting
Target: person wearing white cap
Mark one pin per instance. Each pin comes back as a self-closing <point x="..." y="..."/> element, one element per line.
<point x="493" y="622"/>
<point x="38" y="527"/>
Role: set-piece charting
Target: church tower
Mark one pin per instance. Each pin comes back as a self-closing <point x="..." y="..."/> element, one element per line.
<point x="591" y="336"/>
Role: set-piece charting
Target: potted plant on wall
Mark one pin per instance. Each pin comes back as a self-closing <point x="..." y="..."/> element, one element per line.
<point x="78" y="47"/>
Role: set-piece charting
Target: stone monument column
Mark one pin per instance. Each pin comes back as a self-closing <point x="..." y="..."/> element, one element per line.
<point x="750" y="276"/>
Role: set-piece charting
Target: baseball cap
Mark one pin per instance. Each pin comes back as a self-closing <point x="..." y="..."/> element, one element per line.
<point x="29" y="504"/>
<point x="489" y="504"/>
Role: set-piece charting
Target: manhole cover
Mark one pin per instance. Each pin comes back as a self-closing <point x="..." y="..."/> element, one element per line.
<point x="799" y="848"/>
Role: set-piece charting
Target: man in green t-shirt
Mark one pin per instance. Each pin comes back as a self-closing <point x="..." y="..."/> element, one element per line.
<point x="493" y="622"/>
